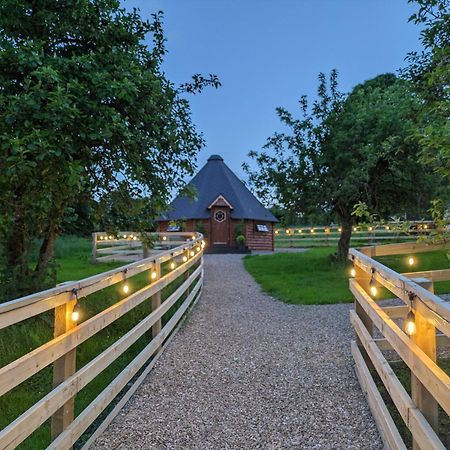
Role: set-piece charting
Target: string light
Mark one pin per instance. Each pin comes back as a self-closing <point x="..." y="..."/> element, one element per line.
<point x="370" y="228"/>
<point x="203" y="244"/>
<point x="125" y="287"/>
<point x="101" y="238"/>
<point x="276" y="231"/>
<point x="75" y="316"/>
<point x="185" y="258"/>
<point x="353" y="270"/>
<point x="124" y="236"/>
<point x="198" y="249"/>
<point x="192" y="253"/>
<point x="411" y="261"/>
<point x="312" y="230"/>
<point x="288" y="231"/>
<point x="425" y="227"/>
<point x="300" y="231"/>
<point x="387" y="227"/>
<point x="339" y="229"/>
<point x="173" y="265"/>
<point x="153" y="275"/>
<point x="164" y="238"/>
<point x="134" y="238"/>
<point x="373" y="288"/>
<point x="110" y="237"/>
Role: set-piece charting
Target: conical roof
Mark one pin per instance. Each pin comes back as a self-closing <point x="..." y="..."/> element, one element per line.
<point x="215" y="179"/>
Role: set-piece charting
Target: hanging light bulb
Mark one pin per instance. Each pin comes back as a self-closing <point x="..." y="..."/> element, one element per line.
<point x="410" y="323"/>
<point x="75" y="316"/>
<point x="124" y="236"/>
<point x="339" y="229"/>
<point x="299" y="231"/>
<point x="153" y="275"/>
<point x="198" y="249"/>
<point x="276" y="231"/>
<point x="185" y="258"/>
<point x="355" y="228"/>
<point x="353" y="272"/>
<point x="370" y="228"/>
<point x="411" y="261"/>
<point x="288" y="231"/>
<point x="126" y="288"/>
<point x="172" y="265"/>
<point x="373" y="288"/>
<point x="192" y="253"/>
<point x="164" y="238"/>
<point x="312" y="230"/>
<point x="203" y="244"/>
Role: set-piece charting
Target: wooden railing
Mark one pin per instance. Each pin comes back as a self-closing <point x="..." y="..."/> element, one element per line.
<point x="361" y="235"/>
<point x="128" y="245"/>
<point x="409" y="330"/>
<point x="183" y="263"/>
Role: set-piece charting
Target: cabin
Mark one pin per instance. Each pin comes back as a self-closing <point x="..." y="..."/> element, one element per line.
<point x="222" y="209"/>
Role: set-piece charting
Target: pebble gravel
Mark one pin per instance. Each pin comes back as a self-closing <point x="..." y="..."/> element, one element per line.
<point x="247" y="371"/>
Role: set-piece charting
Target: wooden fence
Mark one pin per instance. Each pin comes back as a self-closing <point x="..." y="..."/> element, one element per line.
<point x="314" y="236"/>
<point x="128" y="245"/>
<point x="183" y="263"/>
<point x="409" y="330"/>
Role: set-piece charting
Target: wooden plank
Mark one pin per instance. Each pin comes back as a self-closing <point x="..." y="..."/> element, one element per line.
<point x="89" y="414"/>
<point x="442" y="341"/>
<point x="402" y="248"/>
<point x="432" y="376"/>
<point x="386" y="426"/>
<point x="94" y="248"/>
<point x="411" y="415"/>
<point x="63" y="368"/>
<point x="430" y="305"/>
<point x="31" y="419"/>
<point x="156" y="302"/>
<point x="396" y="312"/>
<point x="425" y="339"/>
<point x="434" y="275"/>
<point x="22" y="368"/>
<point x="19" y="309"/>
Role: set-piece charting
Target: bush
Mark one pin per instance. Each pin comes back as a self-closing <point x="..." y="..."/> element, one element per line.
<point x="240" y="240"/>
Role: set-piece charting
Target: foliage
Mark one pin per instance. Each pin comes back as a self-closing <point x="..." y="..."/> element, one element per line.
<point x="344" y="150"/>
<point x="240" y="240"/>
<point x="429" y="71"/>
<point x="84" y="108"/>
<point x="239" y="228"/>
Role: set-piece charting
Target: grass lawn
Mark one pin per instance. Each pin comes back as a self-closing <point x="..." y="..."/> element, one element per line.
<point x="313" y="277"/>
<point x="73" y="258"/>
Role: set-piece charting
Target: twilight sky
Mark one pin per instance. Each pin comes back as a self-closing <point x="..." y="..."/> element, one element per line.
<point x="268" y="53"/>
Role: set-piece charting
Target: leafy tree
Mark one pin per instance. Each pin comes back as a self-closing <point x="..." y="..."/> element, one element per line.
<point x="84" y="107"/>
<point x="344" y="150"/>
<point x="429" y="72"/>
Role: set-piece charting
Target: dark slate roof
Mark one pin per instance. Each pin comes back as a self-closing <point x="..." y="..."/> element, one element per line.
<point x="214" y="179"/>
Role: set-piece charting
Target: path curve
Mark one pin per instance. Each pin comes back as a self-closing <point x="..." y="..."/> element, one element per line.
<point x="247" y="371"/>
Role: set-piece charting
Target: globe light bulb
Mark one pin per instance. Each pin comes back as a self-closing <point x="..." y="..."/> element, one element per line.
<point x="126" y="288"/>
<point x="172" y="265"/>
<point x="411" y="261"/>
<point x="192" y="253"/>
<point x="353" y="272"/>
<point x="410" y="324"/>
<point x="154" y="275"/>
<point x="184" y="258"/>
<point x="75" y="316"/>
<point x="373" y="291"/>
<point x="164" y="238"/>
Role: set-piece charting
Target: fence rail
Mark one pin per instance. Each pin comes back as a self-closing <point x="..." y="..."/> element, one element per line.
<point x="129" y="245"/>
<point x="410" y="330"/>
<point x="361" y="235"/>
<point x="183" y="262"/>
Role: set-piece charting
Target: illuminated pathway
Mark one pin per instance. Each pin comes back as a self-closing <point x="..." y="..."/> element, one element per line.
<point x="247" y="371"/>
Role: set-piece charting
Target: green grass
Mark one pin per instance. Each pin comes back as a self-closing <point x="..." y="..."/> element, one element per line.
<point x="313" y="277"/>
<point x="73" y="258"/>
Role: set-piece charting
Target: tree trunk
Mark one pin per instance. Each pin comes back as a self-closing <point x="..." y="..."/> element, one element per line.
<point x="344" y="239"/>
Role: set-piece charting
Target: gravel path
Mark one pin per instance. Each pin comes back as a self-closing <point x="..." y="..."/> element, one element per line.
<point x="246" y="371"/>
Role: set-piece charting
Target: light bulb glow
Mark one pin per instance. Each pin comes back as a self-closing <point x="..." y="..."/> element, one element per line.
<point x="387" y="228"/>
<point x="300" y="231"/>
<point x="411" y="261"/>
<point x="124" y="236"/>
<point x="110" y="237"/>
<point x="192" y="253"/>
<point x="154" y="275"/>
<point x="373" y="290"/>
<point x="312" y="230"/>
<point x="276" y="231"/>
<point x="353" y="272"/>
<point x="184" y="258"/>
<point x="198" y="249"/>
<point x="126" y="288"/>
<point x="288" y="231"/>
<point x="172" y="265"/>
<point x="164" y="238"/>
<point x="134" y="238"/>
<point x="355" y="229"/>
<point x="339" y="229"/>
<point x="410" y="324"/>
<point x="75" y="316"/>
<point x="370" y="228"/>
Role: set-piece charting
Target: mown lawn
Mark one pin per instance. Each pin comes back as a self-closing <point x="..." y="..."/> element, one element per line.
<point x="73" y="258"/>
<point x="313" y="277"/>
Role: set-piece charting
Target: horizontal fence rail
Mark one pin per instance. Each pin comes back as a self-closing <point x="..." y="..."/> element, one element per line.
<point x="180" y="267"/>
<point x="361" y="235"/>
<point x="411" y="331"/>
<point x="130" y="246"/>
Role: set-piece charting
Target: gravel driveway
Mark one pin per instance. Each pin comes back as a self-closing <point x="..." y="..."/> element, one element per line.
<point x="246" y="371"/>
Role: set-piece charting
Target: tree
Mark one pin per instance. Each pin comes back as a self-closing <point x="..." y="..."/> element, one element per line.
<point x="84" y="108"/>
<point x="429" y="72"/>
<point x="344" y="150"/>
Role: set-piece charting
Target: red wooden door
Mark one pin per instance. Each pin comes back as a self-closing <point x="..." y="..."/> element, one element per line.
<point x="220" y="225"/>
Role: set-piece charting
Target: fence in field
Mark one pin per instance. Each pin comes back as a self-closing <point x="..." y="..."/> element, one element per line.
<point x="183" y="263"/>
<point x="409" y="330"/>
<point x="128" y="245"/>
<point x="361" y="235"/>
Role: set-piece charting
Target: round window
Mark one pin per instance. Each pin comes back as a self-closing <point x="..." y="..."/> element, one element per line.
<point x="219" y="216"/>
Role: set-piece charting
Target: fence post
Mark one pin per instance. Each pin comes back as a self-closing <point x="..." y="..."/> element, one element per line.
<point x="156" y="299"/>
<point x="94" y="248"/>
<point x="63" y="368"/>
<point x="425" y="338"/>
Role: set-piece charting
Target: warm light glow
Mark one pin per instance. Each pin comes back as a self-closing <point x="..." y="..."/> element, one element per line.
<point x="126" y="288"/>
<point x="164" y="238"/>
<point x="425" y="227"/>
<point x="198" y="249"/>
<point x="355" y="228"/>
<point x="193" y="238"/>
<point x="75" y="316"/>
<point x="192" y="253"/>
<point x="101" y="238"/>
<point x="130" y="236"/>
<point x="110" y="237"/>
<point x="203" y="244"/>
<point x="339" y="229"/>
<point x="353" y="272"/>
<point x="154" y="275"/>
<point x="172" y="265"/>
<point x="410" y="324"/>
<point x="387" y="228"/>
<point x="370" y="228"/>
<point x="124" y="236"/>
<point x="288" y="231"/>
<point x="134" y="238"/>
<point x="411" y="261"/>
<point x="184" y="258"/>
<point x="276" y="231"/>
<point x="312" y="230"/>
<point x="373" y="291"/>
<point x="299" y="231"/>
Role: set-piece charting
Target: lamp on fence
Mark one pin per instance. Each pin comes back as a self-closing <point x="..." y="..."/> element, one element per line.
<point x="185" y="258"/>
<point x="372" y="285"/>
<point x="411" y="261"/>
<point x="125" y="287"/>
<point x="192" y="253"/>
<point x="173" y="265"/>
<point x="410" y="321"/>
<point x="75" y="315"/>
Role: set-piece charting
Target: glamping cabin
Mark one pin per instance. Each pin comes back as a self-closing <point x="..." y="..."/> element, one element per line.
<point x="223" y="208"/>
